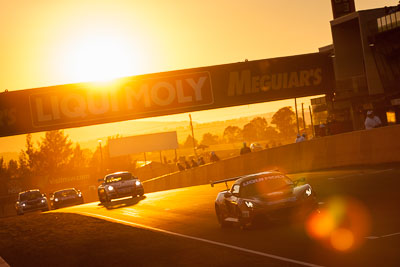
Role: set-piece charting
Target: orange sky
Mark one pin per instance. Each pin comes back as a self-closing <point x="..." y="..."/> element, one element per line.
<point x="47" y="42"/>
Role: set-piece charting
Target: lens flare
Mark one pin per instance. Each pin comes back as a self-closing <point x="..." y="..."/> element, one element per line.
<point x="342" y="239"/>
<point x="320" y="224"/>
<point x="341" y="225"/>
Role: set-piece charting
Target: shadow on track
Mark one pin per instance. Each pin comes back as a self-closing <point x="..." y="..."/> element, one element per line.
<point x="122" y="203"/>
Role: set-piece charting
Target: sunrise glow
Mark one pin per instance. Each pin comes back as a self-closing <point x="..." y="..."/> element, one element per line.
<point x="100" y="58"/>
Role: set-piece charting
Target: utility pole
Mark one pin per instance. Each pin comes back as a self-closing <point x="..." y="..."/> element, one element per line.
<point x="312" y="123"/>
<point x="304" y="121"/>
<point x="297" y="116"/>
<point x="101" y="158"/>
<point x="194" y="144"/>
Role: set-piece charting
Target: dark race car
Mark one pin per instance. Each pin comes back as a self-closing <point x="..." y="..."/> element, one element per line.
<point x="65" y="197"/>
<point x="264" y="196"/>
<point x="31" y="200"/>
<point x="118" y="185"/>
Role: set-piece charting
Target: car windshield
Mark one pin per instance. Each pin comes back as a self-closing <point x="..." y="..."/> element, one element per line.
<point x="264" y="185"/>
<point x="65" y="193"/>
<point x="118" y="177"/>
<point x="30" y="195"/>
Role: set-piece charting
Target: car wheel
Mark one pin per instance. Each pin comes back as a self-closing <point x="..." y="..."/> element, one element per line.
<point x="107" y="200"/>
<point x="20" y="213"/>
<point x="241" y="222"/>
<point x="221" y="218"/>
<point x="103" y="198"/>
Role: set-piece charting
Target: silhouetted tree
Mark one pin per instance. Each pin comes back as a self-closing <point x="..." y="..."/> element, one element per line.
<point x="79" y="159"/>
<point x="3" y="169"/>
<point x="28" y="159"/>
<point x="232" y="134"/>
<point x="255" y="129"/>
<point x="189" y="141"/>
<point x="3" y="177"/>
<point x="258" y="129"/>
<point x="285" y="121"/>
<point x="12" y="169"/>
<point x="55" y="152"/>
<point x="209" y="139"/>
<point x="250" y="132"/>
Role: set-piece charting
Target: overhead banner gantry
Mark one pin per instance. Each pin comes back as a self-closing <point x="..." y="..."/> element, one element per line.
<point x="166" y="93"/>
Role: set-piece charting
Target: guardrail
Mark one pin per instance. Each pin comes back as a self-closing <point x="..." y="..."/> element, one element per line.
<point x="381" y="145"/>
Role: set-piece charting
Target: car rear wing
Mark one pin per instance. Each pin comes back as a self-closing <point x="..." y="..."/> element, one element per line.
<point x="225" y="181"/>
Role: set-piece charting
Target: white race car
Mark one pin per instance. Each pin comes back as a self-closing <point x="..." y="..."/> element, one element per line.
<point x="118" y="185"/>
<point x="31" y="200"/>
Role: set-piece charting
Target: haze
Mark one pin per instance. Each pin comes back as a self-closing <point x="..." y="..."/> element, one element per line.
<point x="50" y="42"/>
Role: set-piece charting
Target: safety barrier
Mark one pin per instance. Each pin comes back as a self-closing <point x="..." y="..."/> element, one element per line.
<point x="381" y="145"/>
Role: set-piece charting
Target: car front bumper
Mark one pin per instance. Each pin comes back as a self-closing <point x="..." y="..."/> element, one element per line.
<point x="35" y="207"/>
<point x="125" y="192"/>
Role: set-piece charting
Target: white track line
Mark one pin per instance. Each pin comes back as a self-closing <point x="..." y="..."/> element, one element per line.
<point x="358" y="174"/>
<point x="3" y="263"/>
<point x="390" y="235"/>
<point x="199" y="239"/>
<point x="382" y="236"/>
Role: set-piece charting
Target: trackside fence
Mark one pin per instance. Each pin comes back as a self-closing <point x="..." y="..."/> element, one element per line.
<point x="381" y="145"/>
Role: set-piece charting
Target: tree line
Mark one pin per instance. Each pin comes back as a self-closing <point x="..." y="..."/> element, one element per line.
<point x="285" y="127"/>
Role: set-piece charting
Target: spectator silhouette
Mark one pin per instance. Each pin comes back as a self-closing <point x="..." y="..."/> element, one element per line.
<point x="187" y="165"/>
<point x="180" y="167"/>
<point x="245" y="149"/>
<point x="214" y="157"/>
<point x="201" y="161"/>
<point x="299" y="138"/>
<point x="372" y="121"/>
<point x="194" y="163"/>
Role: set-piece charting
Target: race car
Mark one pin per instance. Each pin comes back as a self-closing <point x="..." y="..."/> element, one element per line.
<point x="118" y="185"/>
<point x="263" y="196"/>
<point x="65" y="197"/>
<point x="31" y="200"/>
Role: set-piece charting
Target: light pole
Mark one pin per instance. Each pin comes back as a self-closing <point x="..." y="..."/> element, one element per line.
<point x="101" y="157"/>
<point x="194" y="143"/>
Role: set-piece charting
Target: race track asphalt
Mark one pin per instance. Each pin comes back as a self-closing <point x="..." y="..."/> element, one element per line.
<point x="358" y="223"/>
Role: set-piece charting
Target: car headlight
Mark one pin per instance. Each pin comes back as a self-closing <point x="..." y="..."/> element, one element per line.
<point x="79" y="194"/>
<point x="56" y="199"/>
<point x="308" y="192"/>
<point x="23" y="204"/>
<point x="249" y="204"/>
<point x="43" y="200"/>
<point x="110" y="188"/>
<point x="137" y="183"/>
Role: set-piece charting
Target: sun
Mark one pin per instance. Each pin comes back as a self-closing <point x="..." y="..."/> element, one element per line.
<point x="102" y="57"/>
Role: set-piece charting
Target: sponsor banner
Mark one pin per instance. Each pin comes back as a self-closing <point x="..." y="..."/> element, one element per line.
<point x="75" y="105"/>
<point x="68" y="179"/>
<point x="143" y="143"/>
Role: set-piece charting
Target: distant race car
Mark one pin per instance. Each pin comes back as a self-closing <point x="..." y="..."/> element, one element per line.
<point x="255" y="147"/>
<point x="261" y="197"/>
<point x="118" y="185"/>
<point x="65" y="197"/>
<point x="31" y="200"/>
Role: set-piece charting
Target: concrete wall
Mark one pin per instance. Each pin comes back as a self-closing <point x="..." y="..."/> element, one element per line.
<point x="381" y="145"/>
